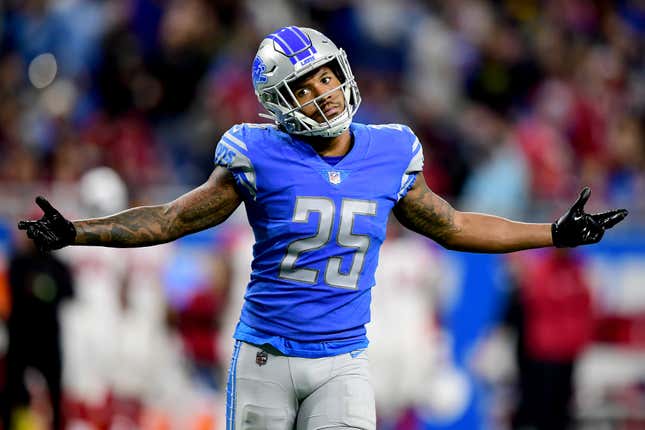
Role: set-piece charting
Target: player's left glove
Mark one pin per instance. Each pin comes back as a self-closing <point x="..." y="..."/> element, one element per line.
<point x="576" y="227"/>
<point x="52" y="231"/>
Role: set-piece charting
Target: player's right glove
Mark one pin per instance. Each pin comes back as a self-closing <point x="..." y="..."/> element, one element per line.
<point x="50" y="232"/>
<point x="576" y="227"/>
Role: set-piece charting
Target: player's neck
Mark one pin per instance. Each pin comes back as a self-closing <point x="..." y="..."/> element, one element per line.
<point x="332" y="146"/>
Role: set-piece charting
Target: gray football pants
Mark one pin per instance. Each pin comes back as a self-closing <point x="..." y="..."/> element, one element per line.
<point x="274" y="392"/>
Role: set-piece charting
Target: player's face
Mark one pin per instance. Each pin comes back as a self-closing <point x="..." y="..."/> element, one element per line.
<point x="315" y="84"/>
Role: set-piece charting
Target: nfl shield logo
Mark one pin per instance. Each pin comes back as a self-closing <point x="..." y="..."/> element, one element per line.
<point x="334" y="177"/>
<point x="261" y="358"/>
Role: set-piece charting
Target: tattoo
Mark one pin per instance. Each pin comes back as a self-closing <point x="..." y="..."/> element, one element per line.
<point x="203" y="207"/>
<point x="426" y="213"/>
<point x="141" y="226"/>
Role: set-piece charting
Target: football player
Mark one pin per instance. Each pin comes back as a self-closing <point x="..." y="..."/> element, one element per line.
<point x="317" y="190"/>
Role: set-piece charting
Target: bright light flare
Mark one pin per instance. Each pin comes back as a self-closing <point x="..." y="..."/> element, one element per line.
<point x="42" y="70"/>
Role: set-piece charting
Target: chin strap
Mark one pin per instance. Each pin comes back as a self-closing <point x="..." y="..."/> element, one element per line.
<point x="323" y="133"/>
<point x="267" y="116"/>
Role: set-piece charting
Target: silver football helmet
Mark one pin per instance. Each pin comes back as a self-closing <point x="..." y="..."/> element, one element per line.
<point x="289" y="54"/>
<point x="102" y="192"/>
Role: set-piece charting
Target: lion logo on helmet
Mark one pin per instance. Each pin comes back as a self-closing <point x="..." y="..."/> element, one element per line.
<point x="258" y="71"/>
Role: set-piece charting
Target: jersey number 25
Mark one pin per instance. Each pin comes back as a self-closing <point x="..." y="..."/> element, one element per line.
<point x="350" y="208"/>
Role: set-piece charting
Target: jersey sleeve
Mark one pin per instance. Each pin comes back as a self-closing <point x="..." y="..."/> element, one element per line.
<point x="234" y="152"/>
<point x="414" y="151"/>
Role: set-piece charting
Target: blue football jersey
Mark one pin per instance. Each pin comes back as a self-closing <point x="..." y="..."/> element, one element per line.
<point x="318" y="230"/>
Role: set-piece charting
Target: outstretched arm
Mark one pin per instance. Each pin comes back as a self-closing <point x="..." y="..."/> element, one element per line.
<point x="426" y="213"/>
<point x="207" y="205"/>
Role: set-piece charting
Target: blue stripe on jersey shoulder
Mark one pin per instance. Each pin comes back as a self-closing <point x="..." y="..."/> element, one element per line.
<point x="244" y="136"/>
<point x="416" y="146"/>
<point x="234" y="141"/>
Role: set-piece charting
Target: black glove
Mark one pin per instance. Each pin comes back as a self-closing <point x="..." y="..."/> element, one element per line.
<point x="576" y="227"/>
<point x="50" y="232"/>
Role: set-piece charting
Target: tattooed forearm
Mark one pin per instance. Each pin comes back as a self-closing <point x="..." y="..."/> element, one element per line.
<point x="141" y="226"/>
<point x="203" y="207"/>
<point x="426" y="213"/>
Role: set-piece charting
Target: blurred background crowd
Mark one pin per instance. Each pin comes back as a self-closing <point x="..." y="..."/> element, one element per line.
<point x="106" y="104"/>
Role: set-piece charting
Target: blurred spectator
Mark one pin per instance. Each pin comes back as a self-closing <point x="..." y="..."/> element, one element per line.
<point x="407" y="279"/>
<point x="90" y="322"/>
<point x="542" y="138"/>
<point x="240" y="253"/>
<point x="199" y="324"/>
<point x="32" y="29"/>
<point x="188" y="38"/>
<point x="39" y="285"/>
<point x="625" y="179"/>
<point x="118" y="351"/>
<point x="414" y="374"/>
<point x="504" y="75"/>
<point x="433" y="70"/>
<point x="495" y="157"/>
<point x="552" y="312"/>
